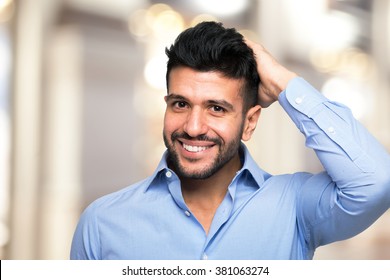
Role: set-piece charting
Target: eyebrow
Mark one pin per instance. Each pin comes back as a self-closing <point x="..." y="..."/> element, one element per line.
<point x="217" y="102"/>
<point x="175" y="97"/>
<point x="222" y="103"/>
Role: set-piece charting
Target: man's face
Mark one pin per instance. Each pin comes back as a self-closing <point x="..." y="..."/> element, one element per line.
<point x="203" y="122"/>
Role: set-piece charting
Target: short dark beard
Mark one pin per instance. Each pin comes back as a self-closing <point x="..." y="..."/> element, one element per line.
<point x="223" y="157"/>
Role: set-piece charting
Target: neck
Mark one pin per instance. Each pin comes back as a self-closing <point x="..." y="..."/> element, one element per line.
<point x="210" y="191"/>
<point x="203" y="197"/>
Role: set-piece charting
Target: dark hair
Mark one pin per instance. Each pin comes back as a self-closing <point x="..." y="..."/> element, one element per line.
<point x="211" y="47"/>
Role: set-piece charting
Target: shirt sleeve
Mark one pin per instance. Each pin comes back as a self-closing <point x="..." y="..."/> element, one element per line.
<point x="354" y="190"/>
<point x="85" y="243"/>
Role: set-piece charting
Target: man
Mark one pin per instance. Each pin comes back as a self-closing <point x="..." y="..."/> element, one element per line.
<point x="207" y="198"/>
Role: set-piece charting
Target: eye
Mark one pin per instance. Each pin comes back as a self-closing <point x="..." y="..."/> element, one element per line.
<point x="218" y="109"/>
<point x="179" y="104"/>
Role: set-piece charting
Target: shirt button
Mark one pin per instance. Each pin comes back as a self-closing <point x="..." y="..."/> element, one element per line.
<point x="187" y="213"/>
<point x="168" y="174"/>
<point x="298" y="100"/>
<point x="331" y="130"/>
<point x="204" y="257"/>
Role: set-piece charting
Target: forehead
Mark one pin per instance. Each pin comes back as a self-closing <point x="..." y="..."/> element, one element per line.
<point x="211" y="84"/>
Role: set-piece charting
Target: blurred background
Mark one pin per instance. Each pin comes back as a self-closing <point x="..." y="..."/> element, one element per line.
<point x="81" y="100"/>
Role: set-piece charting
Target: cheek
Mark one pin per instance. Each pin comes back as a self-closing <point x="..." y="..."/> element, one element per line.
<point x="227" y="128"/>
<point x="172" y="122"/>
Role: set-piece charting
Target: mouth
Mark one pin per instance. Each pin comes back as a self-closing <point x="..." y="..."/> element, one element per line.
<point x="195" y="149"/>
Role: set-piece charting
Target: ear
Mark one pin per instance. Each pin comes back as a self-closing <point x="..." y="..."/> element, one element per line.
<point x="250" y="124"/>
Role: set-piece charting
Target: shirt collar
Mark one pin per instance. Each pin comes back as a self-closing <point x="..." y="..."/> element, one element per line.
<point x="250" y="166"/>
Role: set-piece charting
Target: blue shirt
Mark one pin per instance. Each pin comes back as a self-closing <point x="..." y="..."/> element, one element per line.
<point x="262" y="216"/>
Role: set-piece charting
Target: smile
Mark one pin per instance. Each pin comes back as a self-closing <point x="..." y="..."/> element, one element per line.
<point x="195" y="149"/>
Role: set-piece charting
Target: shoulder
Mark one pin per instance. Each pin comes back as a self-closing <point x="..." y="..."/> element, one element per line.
<point x="104" y="215"/>
<point x="293" y="181"/>
<point x="116" y="201"/>
<point x="304" y="186"/>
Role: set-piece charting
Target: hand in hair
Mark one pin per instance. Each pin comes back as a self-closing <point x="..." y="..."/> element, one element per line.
<point x="274" y="77"/>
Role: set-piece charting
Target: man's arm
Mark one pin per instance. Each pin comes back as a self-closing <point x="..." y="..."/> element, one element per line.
<point x="355" y="189"/>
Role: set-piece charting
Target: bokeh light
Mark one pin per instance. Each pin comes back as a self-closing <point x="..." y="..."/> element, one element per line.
<point x="353" y="93"/>
<point x="6" y="10"/>
<point x="154" y="72"/>
<point x="223" y="7"/>
<point x="202" y="17"/>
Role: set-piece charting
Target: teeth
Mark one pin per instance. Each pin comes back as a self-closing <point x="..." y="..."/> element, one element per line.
<point x="194" y="149"/>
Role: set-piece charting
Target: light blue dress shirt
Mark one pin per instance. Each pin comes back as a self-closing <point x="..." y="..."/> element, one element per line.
<point x="262" y="216"/>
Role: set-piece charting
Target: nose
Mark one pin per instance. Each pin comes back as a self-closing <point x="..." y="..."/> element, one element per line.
<point x="196" y="123"/>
